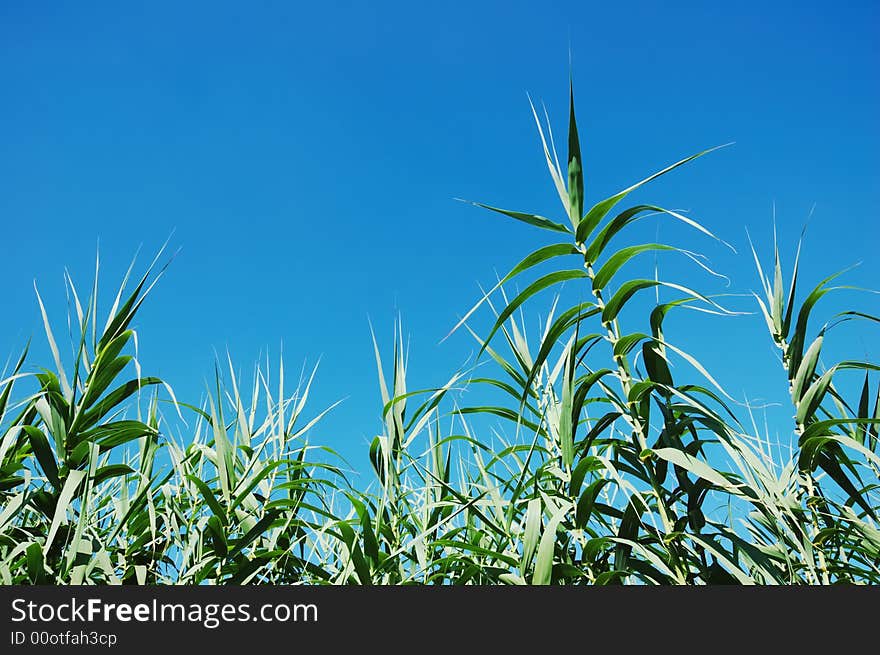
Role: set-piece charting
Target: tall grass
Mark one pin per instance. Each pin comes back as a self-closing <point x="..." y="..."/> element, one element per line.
<point x="594" y="464"/>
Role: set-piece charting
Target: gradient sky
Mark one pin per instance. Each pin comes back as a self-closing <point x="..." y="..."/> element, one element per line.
<point x="307" y="157"/>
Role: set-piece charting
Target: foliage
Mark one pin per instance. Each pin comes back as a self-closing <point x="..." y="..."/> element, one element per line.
<point x="594" y="465"/>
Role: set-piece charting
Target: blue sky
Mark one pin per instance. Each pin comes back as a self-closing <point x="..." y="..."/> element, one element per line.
<point x="307" y="159"/>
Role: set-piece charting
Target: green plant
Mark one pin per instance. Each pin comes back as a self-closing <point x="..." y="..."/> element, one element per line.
<point x="584" y="459"/>
<point x="625" y="460"/>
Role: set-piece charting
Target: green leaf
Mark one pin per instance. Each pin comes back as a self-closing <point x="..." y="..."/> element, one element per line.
<point x="35" y="564"/>
<point x="596" y="430"/>
<point x="538" y="285"/>
<point x="587" y="501"/>
<point x="697" y="467"/>
<point x="619" y="299"/>
<point x="601" y="209"/>
<point x="101" y="378"/>
<point x="585" y="465"/>
<point x="544" y="560"/>
<point x="627" y="342"/>
<point x="552" y="162"/>
<point x="122" y="316"/>
<point x="116" y="433"/>
<point x="817" y="437"/>
<point x="806" y="369"/>
<point x="62" y="376"/>
<point x="210" y="498"/>
<point x="567" y="418"/>
<point x="568" y="319"/>
<point x="575" y="167"/>
<point x="112" y="471"/>
<point x="111" y="350"/>
<point x="826" y="453"/>
<point x="621" y="257"/>
<point x="655" y="364"/>
<point x="510" y="578"/>
<point x="223" y="448"/>
<point x="789" y="305"/>
<point x="254" y="481"/>
<point x="811" y="400"/>
<point x="87" y="419"/>
<point x="255" y="532"/>
<point x="864" y="408"/>
<point x="68" y="491"/>
<point x="776" y="307"/>
<point x="628" y="531"/>
<point x="218" y="537"/>
<point x="9" y="382"/>
<point x="43" y="452"/>
<point x="361" y="567"/>
<point x="531" y="219"/>
<point x="371" y="544"/>
<point x="533" y="259"/>
<point x="611" y="577"/>
<point x="798" y="338"/>
<point x="532" y="532"/>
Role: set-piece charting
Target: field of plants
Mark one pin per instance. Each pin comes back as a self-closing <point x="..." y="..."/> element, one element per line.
<point x="599" y="451"/>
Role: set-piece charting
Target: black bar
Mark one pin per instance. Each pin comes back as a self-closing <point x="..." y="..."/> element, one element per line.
<point x="387" y="618"/>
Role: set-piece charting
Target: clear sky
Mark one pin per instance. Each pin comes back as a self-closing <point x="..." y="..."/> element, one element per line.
<point x="307" y="157"/>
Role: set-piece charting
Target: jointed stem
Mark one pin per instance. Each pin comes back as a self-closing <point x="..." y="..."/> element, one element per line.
<point x="632" y="416"/>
